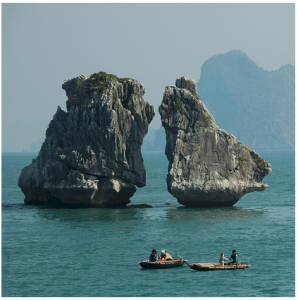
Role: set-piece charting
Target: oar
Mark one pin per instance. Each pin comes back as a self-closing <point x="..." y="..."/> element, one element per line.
<point x="183" y="259"/>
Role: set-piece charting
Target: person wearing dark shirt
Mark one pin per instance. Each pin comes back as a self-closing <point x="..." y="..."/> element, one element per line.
<point x="234" y="257"/>
<point x="153" y="256"/>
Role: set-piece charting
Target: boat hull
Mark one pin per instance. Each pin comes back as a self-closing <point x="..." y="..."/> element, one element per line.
<point x="162" y="264"/>
<point x="218" y="267"/>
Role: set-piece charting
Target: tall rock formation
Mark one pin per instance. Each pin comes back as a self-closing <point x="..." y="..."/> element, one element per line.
<point x="92" y="153"/>
<point x="207" y="166"/>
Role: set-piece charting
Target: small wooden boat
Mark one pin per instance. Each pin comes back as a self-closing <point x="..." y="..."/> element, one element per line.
<point x="146" y="264"/>
<point x="217" y="266"/>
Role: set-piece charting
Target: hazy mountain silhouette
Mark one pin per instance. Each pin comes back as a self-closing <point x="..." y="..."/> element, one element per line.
<point x="159" y="143"/>
<point x="246" y="99"/>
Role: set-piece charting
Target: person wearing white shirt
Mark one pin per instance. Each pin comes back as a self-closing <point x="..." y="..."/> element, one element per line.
<point x="222" y="259"/>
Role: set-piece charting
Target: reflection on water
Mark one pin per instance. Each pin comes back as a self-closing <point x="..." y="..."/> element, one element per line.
<point x="79" y="214"/>
<point x="90" y="215"/>
<point x="156" y="213"/>
<point x="16" y="206"/>
<point x="214" y="214"/>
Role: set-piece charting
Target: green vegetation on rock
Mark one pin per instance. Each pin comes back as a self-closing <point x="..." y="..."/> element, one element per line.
<point x="97" y="82"/>
<point x="247" y="148"/>
<point x="207" y="119"/>
<point x="261" y="162"/>
<point x="196" y="96"/>
<point x="179" y="106"/>
<point x="101" y="80"/>
<point x="241" y="160"/>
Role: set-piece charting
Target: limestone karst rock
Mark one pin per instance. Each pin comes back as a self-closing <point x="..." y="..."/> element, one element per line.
<point x="92" y="153"/>
<point x="207" y="166"/>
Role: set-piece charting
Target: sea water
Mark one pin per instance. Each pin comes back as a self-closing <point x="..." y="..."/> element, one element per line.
<point x="48" y="252"/>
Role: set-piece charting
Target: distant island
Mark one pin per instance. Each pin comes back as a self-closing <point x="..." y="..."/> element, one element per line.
<point x="248" y="101"/>
<point x="157" y="143"/>
<point x="35" y="146"/>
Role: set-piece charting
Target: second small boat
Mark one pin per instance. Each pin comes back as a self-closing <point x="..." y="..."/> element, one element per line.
<point x="216" y="266"/>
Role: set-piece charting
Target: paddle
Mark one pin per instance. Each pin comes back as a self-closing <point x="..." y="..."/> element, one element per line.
<point x="183" y="259"/>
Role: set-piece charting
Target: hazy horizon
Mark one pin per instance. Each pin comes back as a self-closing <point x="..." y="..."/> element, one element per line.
<point x="45" y="44"/>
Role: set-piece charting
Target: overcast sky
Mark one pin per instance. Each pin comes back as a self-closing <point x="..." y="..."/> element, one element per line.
<point x="45" y="44"/>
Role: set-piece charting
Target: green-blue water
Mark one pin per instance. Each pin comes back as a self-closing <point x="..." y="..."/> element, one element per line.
<point x="95" y="252"/>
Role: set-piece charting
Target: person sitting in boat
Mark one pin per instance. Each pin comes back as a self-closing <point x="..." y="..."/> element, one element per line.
<point x="222" y="259"/>
<point x="165" y="255"/>
<point x="234" y="257"/>
<point x="153" y="256"/>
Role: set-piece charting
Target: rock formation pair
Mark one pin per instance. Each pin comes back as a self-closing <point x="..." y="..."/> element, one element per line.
<point x="92" y="153"/>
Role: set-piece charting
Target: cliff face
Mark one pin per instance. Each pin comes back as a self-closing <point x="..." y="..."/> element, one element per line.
<point x="207" y="166"/>
<point x="92" y="153"/>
